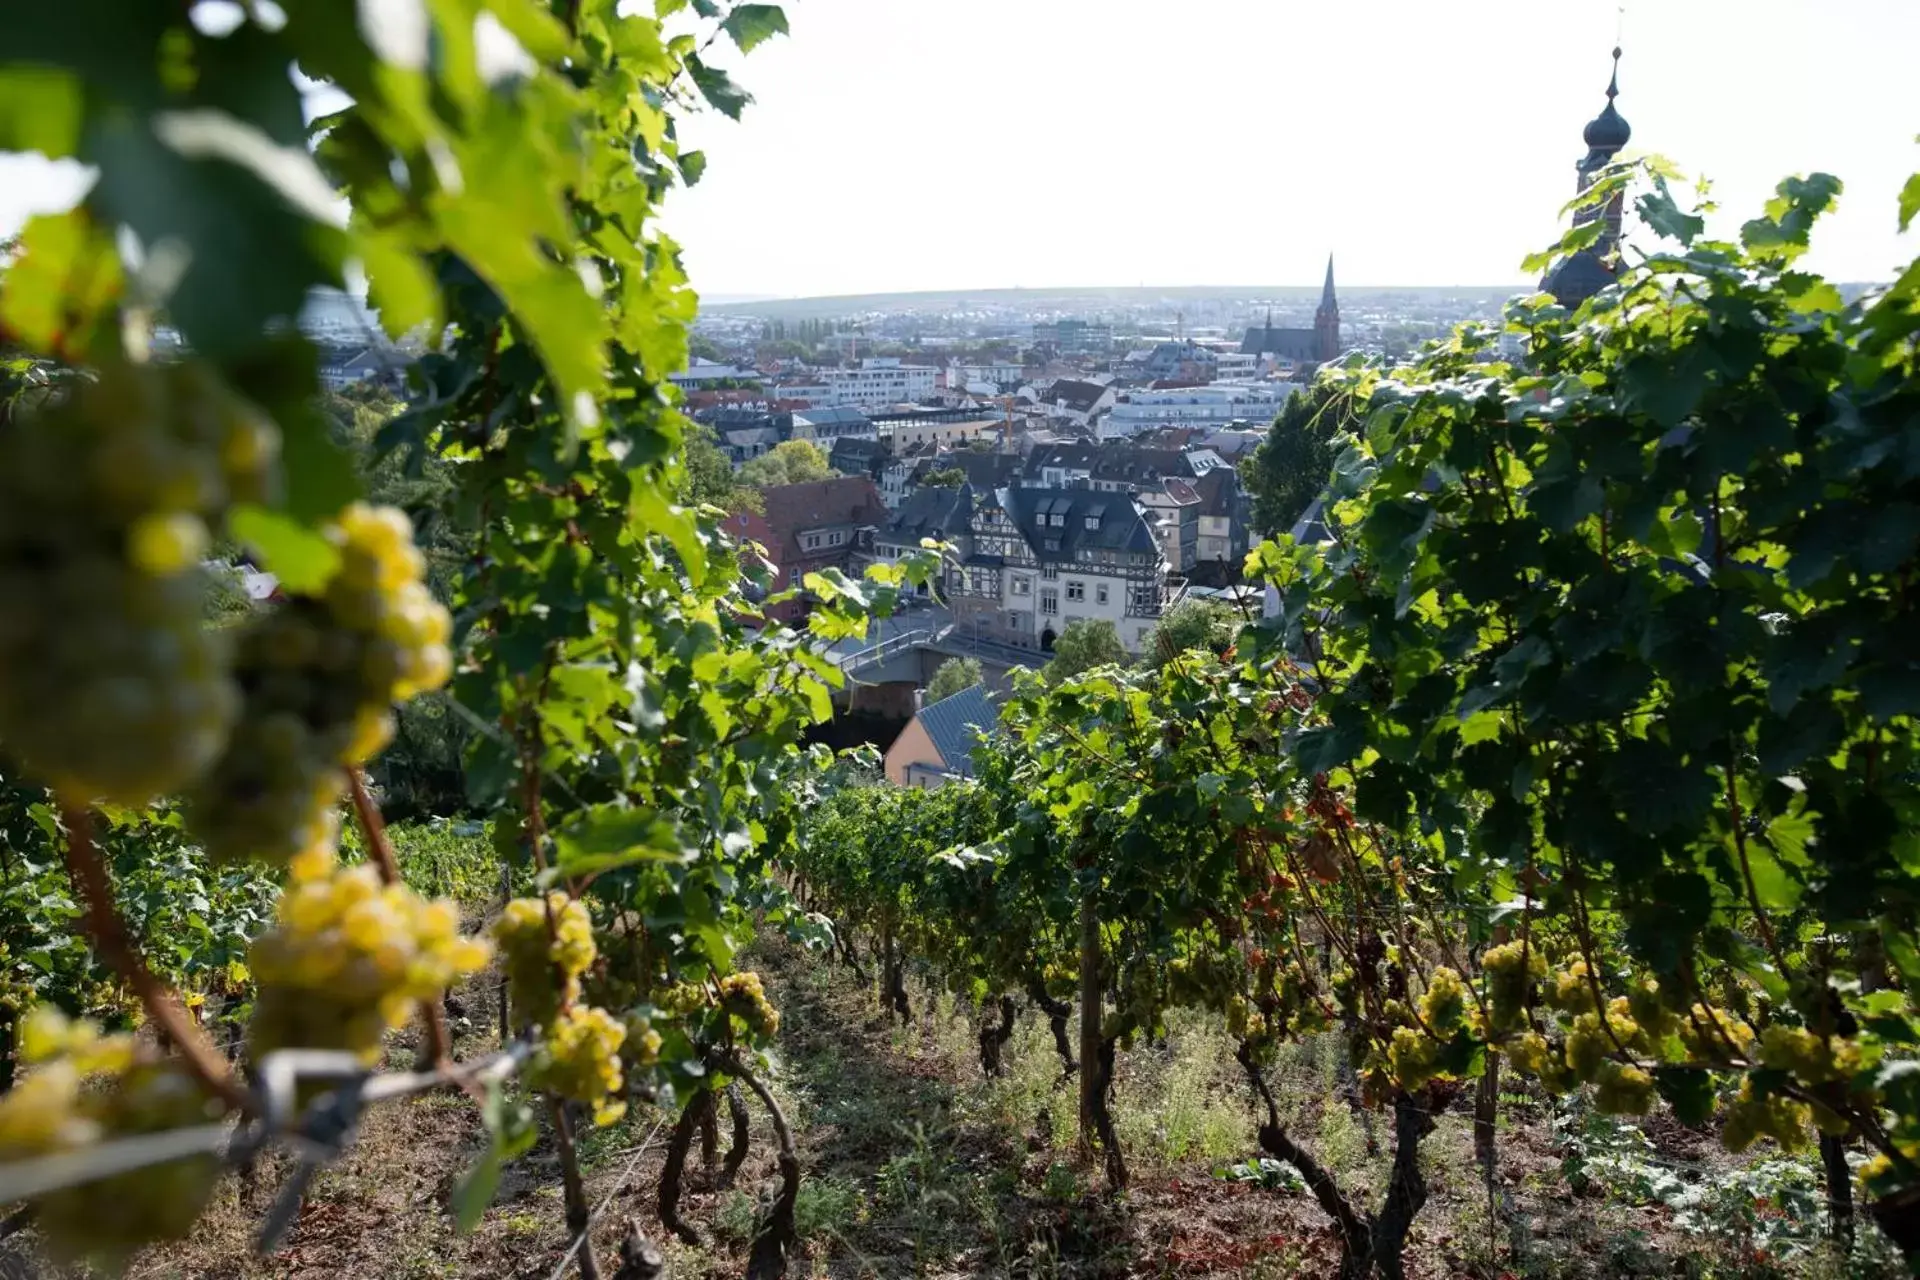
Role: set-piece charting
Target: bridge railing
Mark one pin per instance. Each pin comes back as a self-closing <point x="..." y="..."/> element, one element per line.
<point x="874" y="655"/>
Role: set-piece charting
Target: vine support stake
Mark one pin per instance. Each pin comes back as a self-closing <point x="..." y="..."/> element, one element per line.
<point x="579" y="1219"/>
<point x="778" y="1234"/>
<point x="109" y="933"/>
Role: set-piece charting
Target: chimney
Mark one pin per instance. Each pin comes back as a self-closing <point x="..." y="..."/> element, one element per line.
<point x="919" y="701"/>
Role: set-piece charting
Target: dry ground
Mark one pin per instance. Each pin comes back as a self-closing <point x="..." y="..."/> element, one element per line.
<point x="918" y="1166"/>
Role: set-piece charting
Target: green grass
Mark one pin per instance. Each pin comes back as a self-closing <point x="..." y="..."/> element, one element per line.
<point x="449" y="858"/>
<point x="1179" y="1102"/>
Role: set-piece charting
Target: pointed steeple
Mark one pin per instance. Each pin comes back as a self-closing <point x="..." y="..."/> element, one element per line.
<point x="1326" y="320"/>
<point x="1607" y="132"/>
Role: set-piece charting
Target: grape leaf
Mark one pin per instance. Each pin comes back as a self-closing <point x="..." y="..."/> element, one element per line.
<point x="752" y="25"/>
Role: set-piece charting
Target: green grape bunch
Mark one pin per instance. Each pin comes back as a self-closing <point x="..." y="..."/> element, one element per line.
<point x="320" y="675"/>
<point x="544" y="962"/>
<point x="83" y="1088"/>
<point x="111" y="686"/>
<point x="580" y="1060"/>
<point x="350" y="958"/>
<point x="743" y="996"/>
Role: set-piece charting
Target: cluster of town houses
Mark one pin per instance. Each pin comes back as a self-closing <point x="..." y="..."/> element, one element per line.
<point x="1119" y="532"/>
<point x="1074" y="484"/>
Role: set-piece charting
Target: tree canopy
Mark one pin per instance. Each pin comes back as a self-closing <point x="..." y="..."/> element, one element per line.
<point x="1192" y="624"/>
<point x="953" y="676"/>
<point x="1290" y="468"/>
<point x="709" y="476"/>
<point x="1086" y="643"/>
<point x="789" y="462"/>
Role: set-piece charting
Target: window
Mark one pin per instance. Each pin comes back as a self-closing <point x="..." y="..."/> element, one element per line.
<point x="1049" y="602"/>
<point x="1022" y="585"/>
<point x="813" y="542"/>
<point x="1076" y="591"/>
<point x="1050" y="572"/>
<point x="1100" y="593"/>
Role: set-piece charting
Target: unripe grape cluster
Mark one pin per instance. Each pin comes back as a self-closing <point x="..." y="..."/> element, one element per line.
<point x="1812" y="1058"/>
<point x="111" y="687"/>
<point x="1753" y="1115"/>
<point x="1511" y="970"/>
<point x="81" y="1088"/>
<point x="743" y="996"/>
<point x="1622" y="1089"/>
<point x="681" y="999"/>
<point x="580" y="1060"/>
<point x="544" y="962"/>
<point x="320" y="676"/>
<point x="1444" y="1006"/>
<point x="349" y="958"/>
<point x="641" y="1048"/>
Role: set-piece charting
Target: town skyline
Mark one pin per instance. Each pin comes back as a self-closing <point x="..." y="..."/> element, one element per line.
<point x="1420" y="152"/>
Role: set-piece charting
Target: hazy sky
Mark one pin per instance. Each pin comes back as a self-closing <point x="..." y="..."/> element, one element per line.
<point x="922" y="144"/>
<point x="908" y="144"/>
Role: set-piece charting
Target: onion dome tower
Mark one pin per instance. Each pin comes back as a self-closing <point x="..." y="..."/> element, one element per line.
<point x="1592" y="269"/>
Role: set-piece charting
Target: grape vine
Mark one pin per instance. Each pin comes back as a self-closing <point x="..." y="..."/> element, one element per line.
<point x="1586" y="744"/>
<point x="637" y="725"/>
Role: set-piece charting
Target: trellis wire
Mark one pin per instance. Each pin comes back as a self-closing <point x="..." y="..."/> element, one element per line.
<point x="318" y="1134"/>
<point x="560" y="1268"/>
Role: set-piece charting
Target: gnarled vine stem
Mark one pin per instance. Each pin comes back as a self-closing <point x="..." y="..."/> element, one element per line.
<point x="117" y="948"/>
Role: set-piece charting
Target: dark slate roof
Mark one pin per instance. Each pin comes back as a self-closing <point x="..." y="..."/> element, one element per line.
<point x="935" y="512"/>
<point x="952" y="724"/>
<point x="1071" y="393"/>
<point x="844" y="500"/>
<point x="852" y="455"/>
<point x="1311" y="528"/>
<point x="1113" y="462"/>
<point x="1175" y="352"/>
<point x="1219" y="490"/>
<point x="984" y="470"/>
<point x="734" y="418"/>
<point x="834" y="416"/>
<point x="1120" y="524"/>
<point x="1292" y="344"/>
<point x="1130" y="463"/>
<point x="1074" y="457"/>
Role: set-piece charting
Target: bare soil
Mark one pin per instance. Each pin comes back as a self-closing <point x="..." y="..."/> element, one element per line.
<point x="916" y="1165"/>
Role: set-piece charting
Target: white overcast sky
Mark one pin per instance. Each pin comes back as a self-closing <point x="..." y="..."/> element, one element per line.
<point x="941" y="144"/>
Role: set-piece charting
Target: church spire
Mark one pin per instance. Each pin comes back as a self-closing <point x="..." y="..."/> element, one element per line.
<point x="1591" y="269"/>
<point x="1326" y="320"/>
<point x="1607" y="132"/>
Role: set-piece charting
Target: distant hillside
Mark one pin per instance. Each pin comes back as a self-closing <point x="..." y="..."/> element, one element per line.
<point x="1081" y="300"/>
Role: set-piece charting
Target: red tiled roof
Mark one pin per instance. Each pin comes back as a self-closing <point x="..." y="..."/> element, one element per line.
<point x="791" y="508"/>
